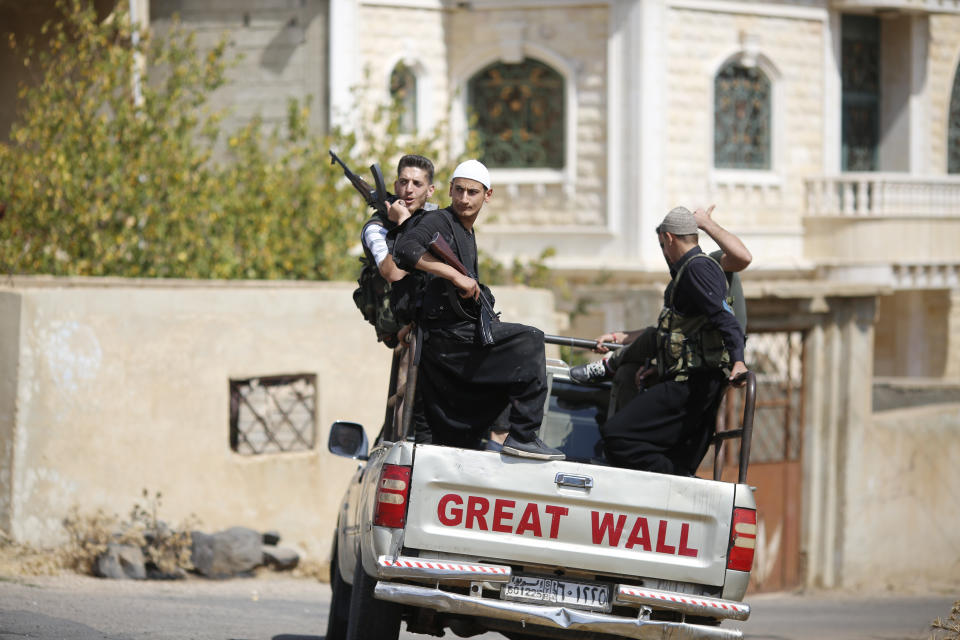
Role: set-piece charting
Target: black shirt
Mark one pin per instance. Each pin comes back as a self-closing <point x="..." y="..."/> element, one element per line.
<point x="413" y="240"/>
<point x="702" y="292"/>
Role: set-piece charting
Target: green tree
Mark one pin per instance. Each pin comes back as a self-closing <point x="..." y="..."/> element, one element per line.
<point x="96" y="182"/>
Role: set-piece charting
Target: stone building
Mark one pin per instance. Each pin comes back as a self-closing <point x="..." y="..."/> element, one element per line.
<point x="827" y="132"/>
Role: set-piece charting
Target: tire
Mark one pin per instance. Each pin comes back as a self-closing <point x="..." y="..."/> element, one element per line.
<point x="339" y="600"/>
<point x="370" y="619"/>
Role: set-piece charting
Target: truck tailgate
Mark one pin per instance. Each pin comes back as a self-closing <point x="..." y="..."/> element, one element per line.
<point x="633" y="523"/>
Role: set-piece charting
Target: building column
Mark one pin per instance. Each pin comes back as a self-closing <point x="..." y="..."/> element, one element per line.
<point x="952" y="366"/>
<point x="832" y="95"/>
<point x="636" y="126"/>
<point x="919" y="96"/>
<point x="651" y="133"/>
<point x="344" y="61"/>
<point x="838" y="410"/>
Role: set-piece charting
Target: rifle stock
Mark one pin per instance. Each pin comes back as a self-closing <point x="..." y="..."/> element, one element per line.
<point x="440" y="249"/>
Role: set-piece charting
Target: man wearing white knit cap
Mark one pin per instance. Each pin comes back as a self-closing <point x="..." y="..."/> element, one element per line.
<point x="466" y="385"/>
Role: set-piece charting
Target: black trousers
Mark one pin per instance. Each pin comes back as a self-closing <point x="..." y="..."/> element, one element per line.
<point x="466" y="386"/>
<point x="667" y="427"/>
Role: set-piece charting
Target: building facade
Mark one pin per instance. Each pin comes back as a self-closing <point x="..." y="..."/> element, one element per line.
<point x="827" y="133"/>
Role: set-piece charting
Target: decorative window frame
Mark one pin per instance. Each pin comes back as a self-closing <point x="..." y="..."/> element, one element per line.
<point x="954" y="78"/>
<point x="749" y="57"/>
<point x="512" y="52"/>
<point x="425" y="113"/>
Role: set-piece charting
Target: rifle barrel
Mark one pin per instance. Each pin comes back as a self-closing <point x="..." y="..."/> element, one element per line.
<point x="580" y="343"/>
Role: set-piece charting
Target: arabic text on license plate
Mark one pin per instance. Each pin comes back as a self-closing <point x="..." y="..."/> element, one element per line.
<point x="581" y="595"/>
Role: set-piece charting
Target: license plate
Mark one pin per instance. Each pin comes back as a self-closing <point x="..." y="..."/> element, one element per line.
<point x="570" y="593"/>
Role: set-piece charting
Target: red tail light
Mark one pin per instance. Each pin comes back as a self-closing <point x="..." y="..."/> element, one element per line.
<point x="392" y="491"/>
<point x="743" y="539"/>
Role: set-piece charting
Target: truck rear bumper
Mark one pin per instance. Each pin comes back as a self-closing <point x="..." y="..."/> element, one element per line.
<point x="547" y="616"/>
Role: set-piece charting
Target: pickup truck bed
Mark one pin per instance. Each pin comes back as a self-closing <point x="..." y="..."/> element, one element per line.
<point x="474" y="540"/>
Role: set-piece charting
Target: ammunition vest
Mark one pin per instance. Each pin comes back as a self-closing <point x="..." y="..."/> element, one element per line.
<point x="688" y="343"/>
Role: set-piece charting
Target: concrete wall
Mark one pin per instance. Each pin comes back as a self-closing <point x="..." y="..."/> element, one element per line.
<point x="901" y="531"/>
<point x="113" y="386"/>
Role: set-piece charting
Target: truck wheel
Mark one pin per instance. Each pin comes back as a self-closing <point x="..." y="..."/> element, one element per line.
<point x="339" y="600"/>
<point x="370" y="618"/>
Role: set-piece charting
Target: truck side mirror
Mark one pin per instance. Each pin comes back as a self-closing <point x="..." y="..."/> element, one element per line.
<point x="348" y="439"/>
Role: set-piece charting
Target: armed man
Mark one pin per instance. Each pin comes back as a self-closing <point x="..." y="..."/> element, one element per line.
<point x="698" y="346"/>
<point x="633" y="367"/>
<point x="473" y="367"/>
<point x="392" y="290"/>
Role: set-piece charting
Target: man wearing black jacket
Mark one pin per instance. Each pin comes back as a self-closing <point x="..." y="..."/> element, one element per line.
<point x="466" y="385"/>
<point x="698" y="345"/>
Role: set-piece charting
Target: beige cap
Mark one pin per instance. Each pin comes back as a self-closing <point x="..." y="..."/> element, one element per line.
<point x="679" y="222"/>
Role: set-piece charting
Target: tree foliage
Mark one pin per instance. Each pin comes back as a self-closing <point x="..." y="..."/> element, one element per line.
<point x="96" y="182"/>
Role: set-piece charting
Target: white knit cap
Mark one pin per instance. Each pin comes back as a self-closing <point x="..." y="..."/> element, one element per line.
<point x="473" y="170"/>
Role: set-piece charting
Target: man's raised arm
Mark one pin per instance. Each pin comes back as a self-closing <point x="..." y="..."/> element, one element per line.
<point x="736" y="256"/>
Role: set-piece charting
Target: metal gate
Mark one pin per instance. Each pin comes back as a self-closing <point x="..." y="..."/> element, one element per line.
<point x="777" y="360"/>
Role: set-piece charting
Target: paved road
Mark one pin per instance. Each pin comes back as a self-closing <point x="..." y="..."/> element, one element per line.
<point x="283" y="608"/>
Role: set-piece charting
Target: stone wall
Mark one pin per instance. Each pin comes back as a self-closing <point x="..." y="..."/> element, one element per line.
<point x="789" y="50"/>
<point x="115" y="386"/>
<point x="416" y="37"/>
<point x="279" y="48"/>
<point x="572" y="40"/>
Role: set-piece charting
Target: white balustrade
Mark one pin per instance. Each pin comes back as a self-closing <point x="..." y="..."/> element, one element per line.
<point x="878" y="195"/>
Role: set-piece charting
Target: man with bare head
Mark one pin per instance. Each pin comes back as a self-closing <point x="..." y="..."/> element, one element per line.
<point x="413" y="186"/>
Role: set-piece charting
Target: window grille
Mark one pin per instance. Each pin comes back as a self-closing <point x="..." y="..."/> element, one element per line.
<point x="273" y="414"/>
<point x="403" y="91"/>
<point x="519" y="110"/>
<point x="860" y="78"/>
<point x="953" y="135"/>
<point x="742" y="118"/>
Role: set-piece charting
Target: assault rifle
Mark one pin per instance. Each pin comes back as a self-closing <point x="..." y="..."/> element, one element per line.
<point x="579" y="343"/>
<point x="377" y="197"/>
<point x="486" y="315"/>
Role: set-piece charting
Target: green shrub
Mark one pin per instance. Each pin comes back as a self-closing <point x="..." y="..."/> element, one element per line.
<point x="97" y="183"/>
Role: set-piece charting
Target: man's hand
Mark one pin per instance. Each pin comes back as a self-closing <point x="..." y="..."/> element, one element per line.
<point x="703" y="217"/>
<point x="643" y="373"/>
<point x="738" y="368"/>
<point x="735" y="256"/>
<point x="398" y="212"/>
<point x="617" y="337"/>
<point x="469" y="288"/>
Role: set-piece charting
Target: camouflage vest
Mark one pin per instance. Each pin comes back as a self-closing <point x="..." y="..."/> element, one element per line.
<point x="688" y="343"/>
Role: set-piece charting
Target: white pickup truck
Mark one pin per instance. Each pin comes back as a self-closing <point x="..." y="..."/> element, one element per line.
<point x="476" y="541"/>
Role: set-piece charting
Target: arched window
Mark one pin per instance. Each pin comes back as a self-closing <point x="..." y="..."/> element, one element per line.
<point x="403" y="92"/>
<point x="741" y="138"/>
<point x="519" y="110"/>
<point x="953" y="129"/>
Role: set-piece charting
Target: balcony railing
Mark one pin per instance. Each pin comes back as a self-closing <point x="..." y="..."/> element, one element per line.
<point x="904" y="6"/>
<point x="882" y="195"/>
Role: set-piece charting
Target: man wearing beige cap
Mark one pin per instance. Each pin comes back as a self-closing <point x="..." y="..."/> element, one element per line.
<point x="466" y="385"/>
<point x="698" y="348"/>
